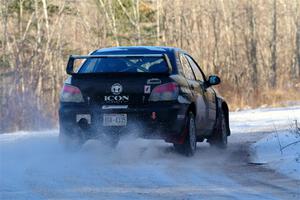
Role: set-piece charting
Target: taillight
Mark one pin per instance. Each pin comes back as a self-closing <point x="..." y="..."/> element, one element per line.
<point x="71" y="93"/>
<point x="165" y="92"/>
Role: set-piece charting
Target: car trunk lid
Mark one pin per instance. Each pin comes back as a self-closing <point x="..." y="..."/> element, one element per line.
<point x="118" y="88"/>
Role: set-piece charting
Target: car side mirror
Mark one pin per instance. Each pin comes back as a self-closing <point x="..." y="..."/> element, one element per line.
<point x="213" y="80"/>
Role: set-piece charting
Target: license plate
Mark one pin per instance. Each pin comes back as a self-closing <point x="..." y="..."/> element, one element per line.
<point x="114" y="119"/>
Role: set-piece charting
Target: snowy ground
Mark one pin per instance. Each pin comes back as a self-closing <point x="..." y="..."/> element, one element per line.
<point x="264" y="119"/>
<point x="34" y="166"/>
<point x="279" y="151"/>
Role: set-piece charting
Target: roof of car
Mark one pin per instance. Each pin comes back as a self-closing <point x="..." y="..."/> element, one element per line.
<point x="136" y="50"/>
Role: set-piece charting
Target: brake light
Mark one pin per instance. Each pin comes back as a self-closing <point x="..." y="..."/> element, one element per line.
<point x="165" y="92"/>
<point x="71" y="93"/>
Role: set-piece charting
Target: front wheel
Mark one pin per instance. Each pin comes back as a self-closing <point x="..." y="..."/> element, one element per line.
<point x="188" y="147"/>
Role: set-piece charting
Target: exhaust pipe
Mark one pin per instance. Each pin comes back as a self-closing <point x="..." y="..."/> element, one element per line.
<point x="83" y="124"/>
<point x="83" y="121"/>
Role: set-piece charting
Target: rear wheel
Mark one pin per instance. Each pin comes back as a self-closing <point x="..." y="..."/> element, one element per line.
<point x="219" y="137"/>
<point x="111" y="140"/>
<point x="71" y="140"/>
<point x="188" y="148"/>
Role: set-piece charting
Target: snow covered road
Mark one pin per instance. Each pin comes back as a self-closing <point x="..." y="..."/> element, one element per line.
<point x="34" y="166"/>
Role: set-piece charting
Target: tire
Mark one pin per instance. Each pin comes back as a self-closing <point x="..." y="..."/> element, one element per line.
<point x="71" y="140"/>
<point x="220" y="135"/>
<point x="111" y="141"/>
<point x="188" y="148"/>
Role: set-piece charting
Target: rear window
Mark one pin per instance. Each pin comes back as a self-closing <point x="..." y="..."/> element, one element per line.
<point x="125" y="64"/>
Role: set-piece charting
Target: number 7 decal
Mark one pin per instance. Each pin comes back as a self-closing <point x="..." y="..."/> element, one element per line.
<point x="147" y="89"/>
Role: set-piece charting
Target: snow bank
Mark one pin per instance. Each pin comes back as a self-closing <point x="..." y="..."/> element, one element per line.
<point x="279" y="151"/>
<point x="268" y="150"/>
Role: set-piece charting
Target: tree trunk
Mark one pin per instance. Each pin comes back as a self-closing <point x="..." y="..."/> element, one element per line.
<point x="253" y="48"/>
<point x="298" y="46"/>
<point x="157" y="22"/>
<point x="274" y="47"/>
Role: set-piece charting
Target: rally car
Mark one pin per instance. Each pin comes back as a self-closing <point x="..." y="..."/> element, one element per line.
<point x="155" y="92"/>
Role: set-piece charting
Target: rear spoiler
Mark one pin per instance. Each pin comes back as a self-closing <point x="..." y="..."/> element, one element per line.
<point x="72" y="58"/>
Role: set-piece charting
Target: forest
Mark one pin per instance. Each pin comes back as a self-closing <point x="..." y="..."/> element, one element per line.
<point x="253" y="45"/>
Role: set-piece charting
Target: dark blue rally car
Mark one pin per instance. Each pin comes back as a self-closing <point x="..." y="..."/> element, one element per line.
<point x="155" y="92"/>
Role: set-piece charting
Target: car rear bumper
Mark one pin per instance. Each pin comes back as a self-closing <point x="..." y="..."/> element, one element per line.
<point x="164" y="121"/>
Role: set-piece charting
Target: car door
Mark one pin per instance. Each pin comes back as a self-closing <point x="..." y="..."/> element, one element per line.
<point x="206" y="100"/>
<point x="195" y="86"/>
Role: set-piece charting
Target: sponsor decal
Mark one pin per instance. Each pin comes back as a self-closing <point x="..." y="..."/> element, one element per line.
<point x="116" y="99"/>
<point x="147" y="89"/>
<point x="116" y="88"/>
<point x="153" y="81"/>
